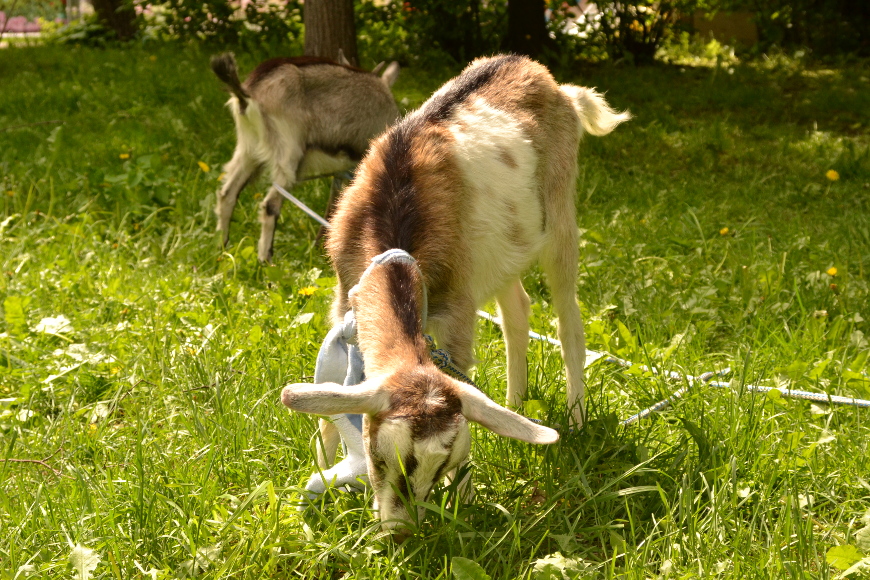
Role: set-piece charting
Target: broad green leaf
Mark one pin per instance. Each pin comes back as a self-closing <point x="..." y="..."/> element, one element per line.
<point x="862" y="538"/>
<point x="796" y="369"/>
<point x="842" y="557"/>
<point x="465" y="569"/>
<point x="255" y="334"/>
<point x="626" y="336"/>
<point x="557" y="567"/>
<point x="13" y="308"/>
<point x="819" y="368"/>
<point x="301" y="319"/>
<point x="594" y="236"/>
<point x="535" y="408"/>
<point x="774" y="396"/>
<point x="84" y="561"/>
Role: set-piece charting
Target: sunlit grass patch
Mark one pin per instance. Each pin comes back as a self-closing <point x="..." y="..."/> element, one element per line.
<point x="140" y="362"/>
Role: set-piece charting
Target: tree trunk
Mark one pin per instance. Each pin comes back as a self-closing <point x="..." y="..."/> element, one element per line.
<point x="117" y="15"/>
<point x="329" y="26"/>
<point x="527" y="29"/>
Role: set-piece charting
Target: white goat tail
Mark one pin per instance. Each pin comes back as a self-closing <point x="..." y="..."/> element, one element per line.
<point x="596" y="116"/>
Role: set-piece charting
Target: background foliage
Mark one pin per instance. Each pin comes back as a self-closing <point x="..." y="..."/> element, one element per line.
<point x="439" y="31"/>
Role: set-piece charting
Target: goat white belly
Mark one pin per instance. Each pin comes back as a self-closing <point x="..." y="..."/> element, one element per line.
<point x="503" y="217"/>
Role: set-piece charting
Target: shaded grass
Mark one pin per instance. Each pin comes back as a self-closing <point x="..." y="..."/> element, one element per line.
<point x="176" y="456"/>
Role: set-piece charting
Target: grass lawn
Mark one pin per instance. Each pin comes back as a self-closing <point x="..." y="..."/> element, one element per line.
<point x="711" y="238"/>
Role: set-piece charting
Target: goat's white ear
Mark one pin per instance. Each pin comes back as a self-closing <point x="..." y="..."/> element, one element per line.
<point x="481" y="409"/>
<point x="342" y="59"/>
<point x="333" y="399"/>
<point x="378" y="67"/>
<point x="391" y="74"/>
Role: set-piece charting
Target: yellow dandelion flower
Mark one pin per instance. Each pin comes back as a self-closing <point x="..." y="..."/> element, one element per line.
<point x="115" y="370"/>
<point x="92" y="427"/>
<point x="258" y="195"/>
<point x="124" y="156"/>
<point x="308" y="290"/>
<point x="724" y="231"/>
<point x="832" y="175"/>
<point x="10" y="193"/>
<point x="204" y="166"/>
<point x="152" y="58"/>
<point x="221" y="176"/>
<point x="832" y="271"/>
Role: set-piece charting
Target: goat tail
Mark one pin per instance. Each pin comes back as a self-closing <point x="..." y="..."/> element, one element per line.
<point x="224" y="66"/>
<point x="595" y="115"/>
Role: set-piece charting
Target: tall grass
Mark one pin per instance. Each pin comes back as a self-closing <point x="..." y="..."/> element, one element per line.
<point x="711" y="237"/>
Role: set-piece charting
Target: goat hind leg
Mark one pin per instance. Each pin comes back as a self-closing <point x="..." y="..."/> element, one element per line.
<point x="559" y="262"/>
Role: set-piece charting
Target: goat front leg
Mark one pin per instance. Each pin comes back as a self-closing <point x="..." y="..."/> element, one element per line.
<point x="240" y="170"/>
<point x="453" y="328"/>
<point x="284" y="174"/>
<point x="514" y="310"/>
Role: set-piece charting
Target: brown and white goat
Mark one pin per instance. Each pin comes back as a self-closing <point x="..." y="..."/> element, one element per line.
<point x="476" y="185"/>
<point x="298" y="117"/>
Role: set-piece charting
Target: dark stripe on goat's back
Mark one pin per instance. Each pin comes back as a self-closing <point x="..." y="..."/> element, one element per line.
<point x="394" y="215"/>
<point x="466" y="84"/>
<point x="403" y="284"/>
<point x="267" y="67"/>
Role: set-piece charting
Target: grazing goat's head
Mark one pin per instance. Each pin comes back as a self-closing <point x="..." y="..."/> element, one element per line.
<point x="416" y="418"/>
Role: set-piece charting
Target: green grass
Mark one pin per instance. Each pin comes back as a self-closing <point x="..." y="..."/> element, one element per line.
<point x="173" y="456"/>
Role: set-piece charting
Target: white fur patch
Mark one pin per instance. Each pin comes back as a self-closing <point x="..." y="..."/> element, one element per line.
<point x="503" y="223"/>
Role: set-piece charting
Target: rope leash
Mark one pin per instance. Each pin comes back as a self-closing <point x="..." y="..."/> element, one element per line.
<point x="704" y="378"/>
<point x="442" y="360"/>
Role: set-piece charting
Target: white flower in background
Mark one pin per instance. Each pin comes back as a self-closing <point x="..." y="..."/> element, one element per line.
<point x="82" y="354"/>
<point x="54" y="325"/>
<point x="84" y="561"/>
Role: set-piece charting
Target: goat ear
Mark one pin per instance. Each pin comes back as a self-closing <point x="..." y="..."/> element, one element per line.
<point x="391" y="74"/>
<point x="481" y="409"/>
<point x="378" y="67"/>
<point x="334" y="399"/>
<point x="342" y="59"/>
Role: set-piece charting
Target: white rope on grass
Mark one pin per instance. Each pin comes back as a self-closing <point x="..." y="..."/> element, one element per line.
<point x="593" y="356"/>
<point x="704" y="378"/>
<point x="298" y="203"/>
